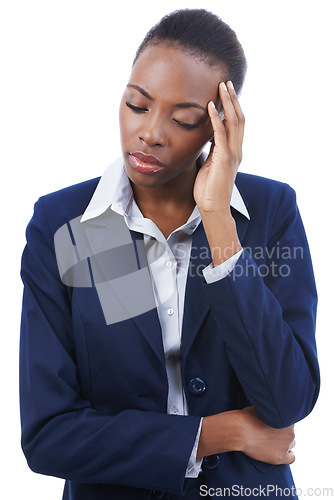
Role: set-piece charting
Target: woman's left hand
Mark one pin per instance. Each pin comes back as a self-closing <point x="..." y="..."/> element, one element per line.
<point x="215" y="180"/>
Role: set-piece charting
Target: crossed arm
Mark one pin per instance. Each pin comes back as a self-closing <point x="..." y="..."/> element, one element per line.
<point x="239" y="430"/>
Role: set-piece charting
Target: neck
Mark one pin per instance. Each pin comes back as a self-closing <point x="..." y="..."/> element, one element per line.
<point x="175" y="194"/>
<point x="169" y="206"/>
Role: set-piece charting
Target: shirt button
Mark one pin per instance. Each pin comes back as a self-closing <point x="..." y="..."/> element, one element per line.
<point x="170" y="312"/>
<point x="193" y="227"/>
<point x="175" y="410"/>
<point x="169" y="263"/>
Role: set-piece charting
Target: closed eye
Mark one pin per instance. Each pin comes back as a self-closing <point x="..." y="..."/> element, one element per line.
<point x="188" y="126"/>
<point x="137" y="109"/>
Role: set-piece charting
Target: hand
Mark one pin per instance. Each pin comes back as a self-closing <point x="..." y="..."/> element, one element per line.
<point x="243" y="430"/>
<point x="265" y="443"/>
<point x="214" y="181"/>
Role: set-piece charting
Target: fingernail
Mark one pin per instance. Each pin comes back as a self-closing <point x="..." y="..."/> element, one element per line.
<point x="212" y="105"/>
<point x="230" y="85"/>
<point x="222" y="84"/>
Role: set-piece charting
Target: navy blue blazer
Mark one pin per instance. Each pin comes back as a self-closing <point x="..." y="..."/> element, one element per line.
<point x="94" y="392"/>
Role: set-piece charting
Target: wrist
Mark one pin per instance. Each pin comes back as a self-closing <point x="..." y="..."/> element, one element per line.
<point x="221" y="433"/>
<point x="221" y="232"/>
<point x="216" y="213"/>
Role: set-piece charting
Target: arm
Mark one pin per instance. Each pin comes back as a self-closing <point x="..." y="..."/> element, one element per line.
<point x="269" y="330"/>
<point x="270" y="323"/>
<point x="242" y="430"/>
<point x="62" y="433"/>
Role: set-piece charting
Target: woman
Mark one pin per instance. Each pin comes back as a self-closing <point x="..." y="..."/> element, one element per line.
<point x="167" y="342"/>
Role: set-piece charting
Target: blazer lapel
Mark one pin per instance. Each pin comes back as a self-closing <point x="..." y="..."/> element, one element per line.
<point x="120" y="274"/>
<point x="195" y="307"/>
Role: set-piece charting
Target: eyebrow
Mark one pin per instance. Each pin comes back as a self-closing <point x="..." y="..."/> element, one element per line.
<point x="142" y="91"/>
<point x="181" y="105"/>
<point x="190" y="105"/>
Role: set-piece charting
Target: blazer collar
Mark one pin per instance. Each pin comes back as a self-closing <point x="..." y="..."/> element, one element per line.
<point x="114" y="191"/>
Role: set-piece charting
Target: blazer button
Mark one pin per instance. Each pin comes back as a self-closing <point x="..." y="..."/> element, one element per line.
<point x="158" y="495"/>
<point x="196" y="386"/>
<point x="211" y="462"/>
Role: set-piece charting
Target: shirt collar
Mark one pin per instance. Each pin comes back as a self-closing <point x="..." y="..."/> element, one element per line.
<point x="114" y="191"/>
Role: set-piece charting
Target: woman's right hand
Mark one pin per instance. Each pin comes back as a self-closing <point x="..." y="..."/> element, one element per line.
<point x="243" y="430"/>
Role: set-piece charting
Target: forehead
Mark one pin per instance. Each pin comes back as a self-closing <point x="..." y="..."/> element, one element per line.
<point x="171" y="73"/>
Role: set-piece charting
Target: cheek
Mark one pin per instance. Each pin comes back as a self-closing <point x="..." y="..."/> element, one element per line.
<point x="126" y="126"/>
<point x="191" y="145"/>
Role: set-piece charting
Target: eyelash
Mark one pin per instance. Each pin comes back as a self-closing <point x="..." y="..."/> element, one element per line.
<point x="137" y="109"/>
<point x="186" y="125"/>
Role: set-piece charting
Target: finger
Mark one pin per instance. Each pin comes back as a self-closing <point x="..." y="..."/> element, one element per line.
<point x="220" y="138"/>
<point x="240" y="116"/>
<point x="231" y="119"/>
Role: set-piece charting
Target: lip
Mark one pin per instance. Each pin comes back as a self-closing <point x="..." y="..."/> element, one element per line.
<point x="145" y="164"/>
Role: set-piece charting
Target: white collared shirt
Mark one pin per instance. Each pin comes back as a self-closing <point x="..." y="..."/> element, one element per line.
<point x="168" y="262"/>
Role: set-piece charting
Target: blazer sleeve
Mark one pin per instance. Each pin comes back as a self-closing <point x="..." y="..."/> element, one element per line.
<point x="62" y="434"/>
<point x="266" y="314"/>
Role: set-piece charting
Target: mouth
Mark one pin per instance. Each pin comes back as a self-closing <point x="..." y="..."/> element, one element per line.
<point x="145" y="164"/>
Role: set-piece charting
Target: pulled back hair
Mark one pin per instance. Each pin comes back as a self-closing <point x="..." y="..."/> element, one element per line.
<point x="203" y="35"/>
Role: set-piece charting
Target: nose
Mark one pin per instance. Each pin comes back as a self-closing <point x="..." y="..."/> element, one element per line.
<point x="153" y="131"/>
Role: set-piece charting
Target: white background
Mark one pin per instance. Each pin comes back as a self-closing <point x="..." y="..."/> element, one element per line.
<point x="64" y="64"/>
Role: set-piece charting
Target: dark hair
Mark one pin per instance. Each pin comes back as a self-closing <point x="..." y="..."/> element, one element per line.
<point x="205" y="36"/>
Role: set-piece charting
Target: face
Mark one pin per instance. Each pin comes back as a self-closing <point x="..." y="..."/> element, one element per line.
<point x="164" y="121"/>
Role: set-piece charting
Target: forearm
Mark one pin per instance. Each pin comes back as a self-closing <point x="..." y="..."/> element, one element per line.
<point x="220" y="433"/>
<point x="243" y="430"/>
<point x="266" y="309"/>
<point x="274" y="357"/>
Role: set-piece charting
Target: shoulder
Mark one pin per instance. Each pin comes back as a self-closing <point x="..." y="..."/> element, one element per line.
<point x="261" y="193"/>
<point x="255" y="186"/>
<point x="65" y="204"/>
